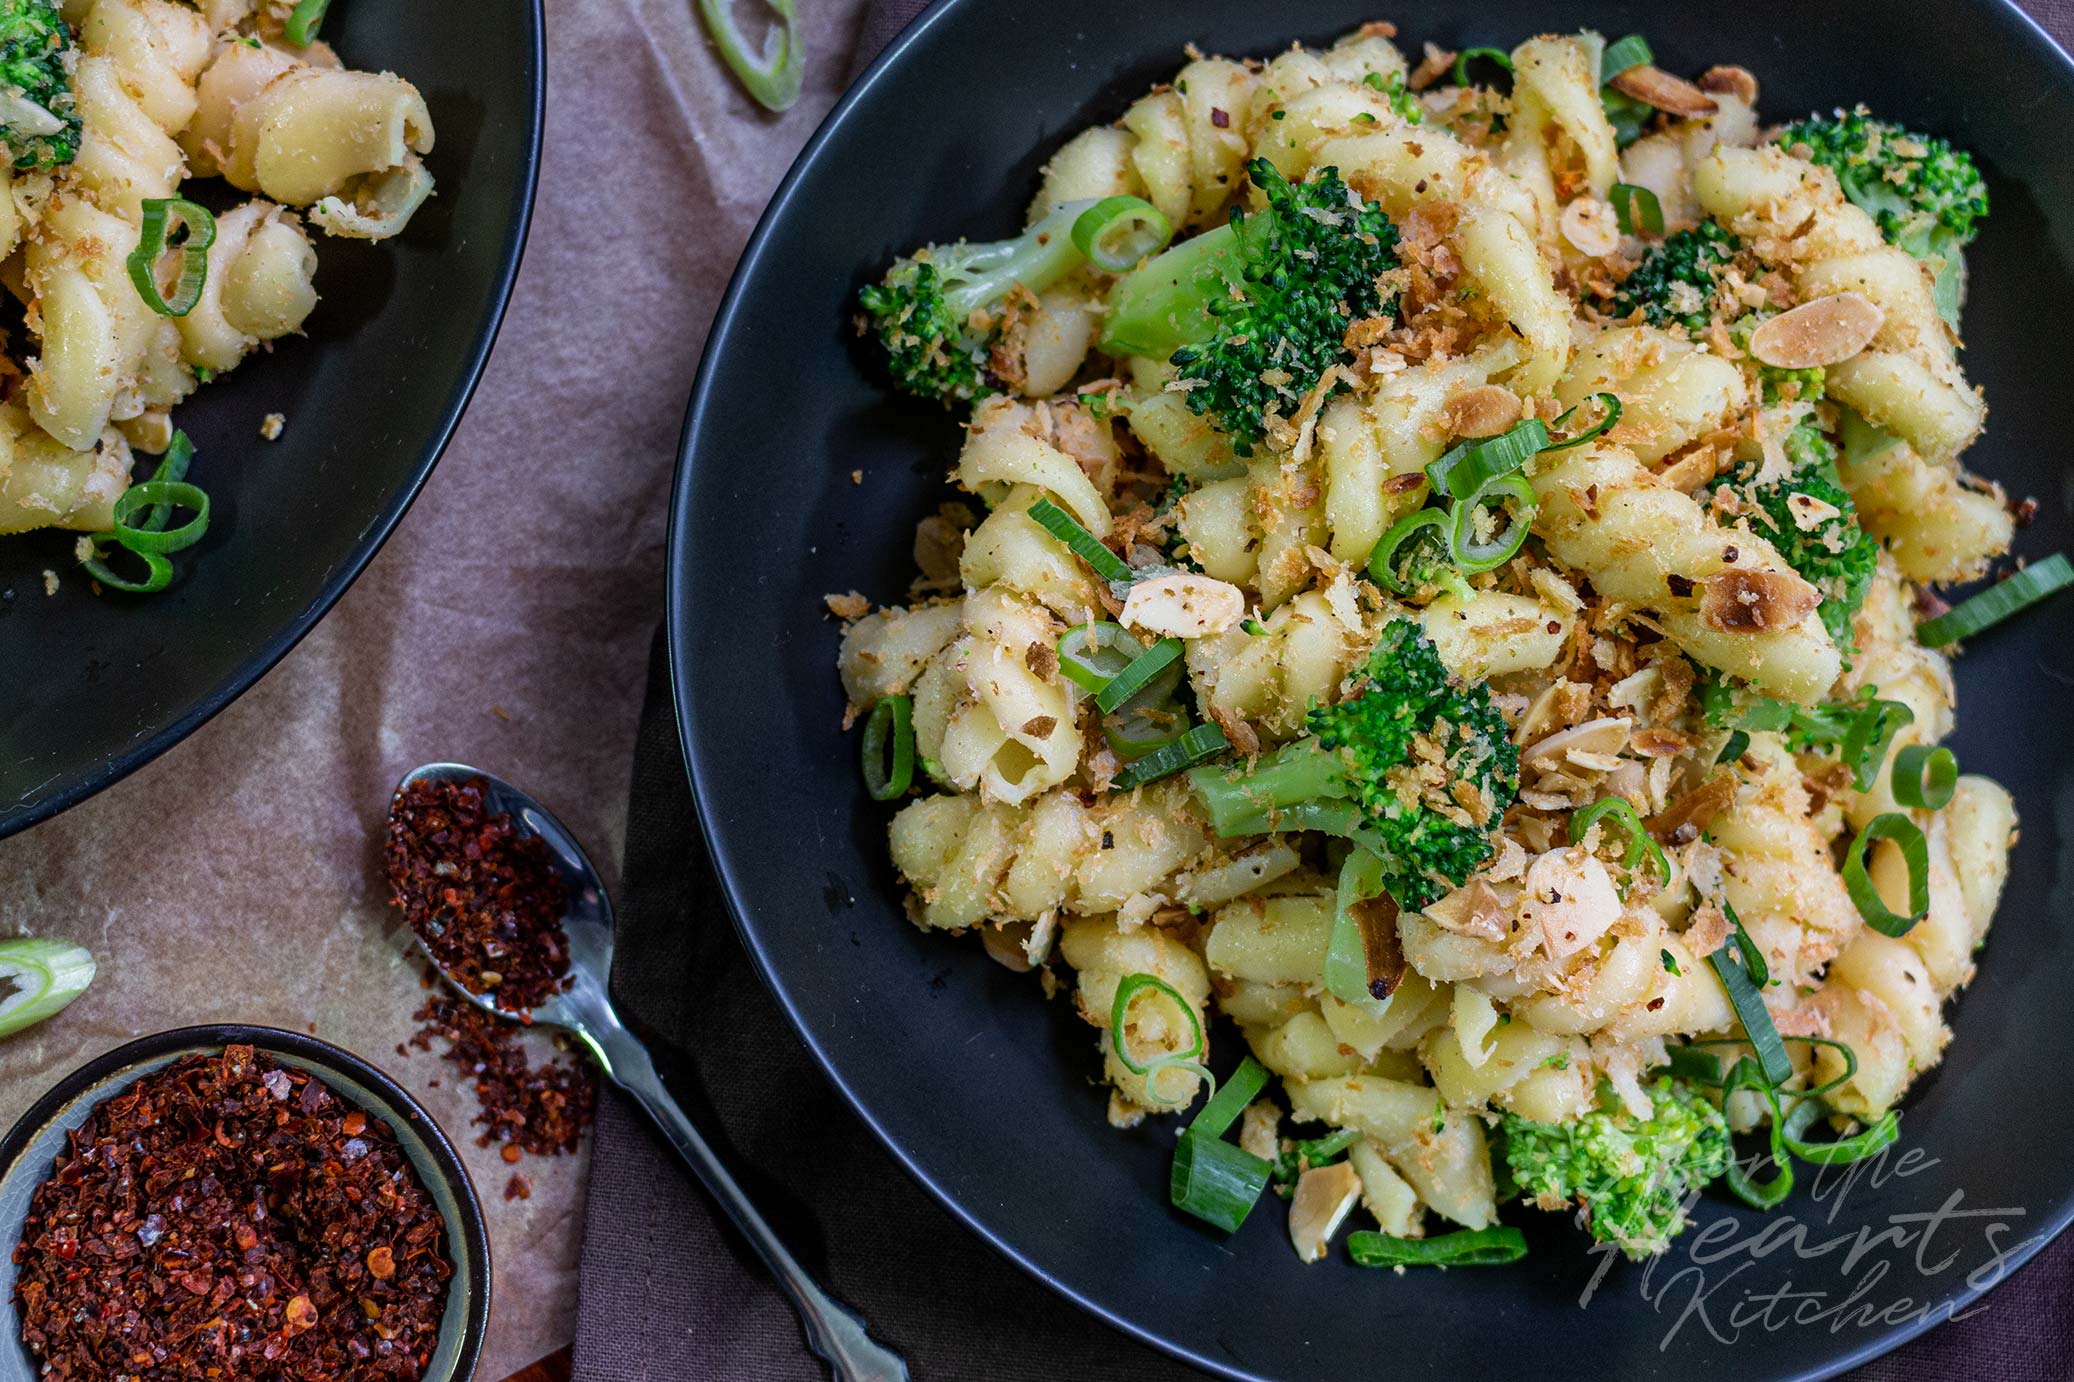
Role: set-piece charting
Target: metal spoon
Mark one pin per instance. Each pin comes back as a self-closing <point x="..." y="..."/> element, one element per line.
<point x="835" y="1333"/>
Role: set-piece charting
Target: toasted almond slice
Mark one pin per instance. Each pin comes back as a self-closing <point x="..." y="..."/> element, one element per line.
<point x="1483" y="411"/>
<point x="1730" y="81"/>
<point x="1827" y="331"/>
<point x="1324" y="1197"/>
<point x="1607" y="735"/>
<point x="1183" y="605"/>
<point x="1810" y="513"/>
<point x="1591" y="226"/>
<point x="1656" y="87"/>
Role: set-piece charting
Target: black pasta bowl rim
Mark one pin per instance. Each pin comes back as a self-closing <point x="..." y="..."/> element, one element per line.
<point x="103" y="1077"/>
<point x="146" y="748"/>
<point x="710" y="791"/>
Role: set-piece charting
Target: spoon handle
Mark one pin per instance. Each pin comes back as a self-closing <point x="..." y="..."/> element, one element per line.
<point x="834" y="1332"/>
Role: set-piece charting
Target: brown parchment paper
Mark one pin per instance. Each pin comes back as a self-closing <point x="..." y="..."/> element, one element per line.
<point x="506" y="624"/>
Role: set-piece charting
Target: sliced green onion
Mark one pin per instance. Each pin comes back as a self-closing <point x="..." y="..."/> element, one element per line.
<point x="1925" y="776"/>
<point x="1991" y="606"/>
<point x="158" y="574"/>
<point x="1253" y="626"/>
<point x="1117" y="233"/>
<point x="1212" y="1179"/>
<point x="1137" y="730"/>
<point x="163" y="496"/>
<point x="1119" y="1010"/>
<point x="1753" y="958"/>
<point x="1753" y="1192"/>
<point x="172" y="467"/>
<point x="1621" y="54"/>
<point x="1091" y="655"/>
<point x="159" y="214"/>
<point x="1610" y="403"/>
<point x="302" y="24"/>
<point x="1469" y="55"/>
<point x="1740" y="981"/>
<point x="1628" y="199"/>
<point x="1479" y="1247"/>
<point x="1869" y="1141"/>
<point x="1641" y="844"/>
<point x="1465" y="467"/>
<point x="1316" y="1151"/>
<point x="1867" y="737"/>
<point x="1085" y="545"/>
<point x="1142" y="670"/>
<point x="44" y="975"/>
<point x="1894" y="826"/>
<point x="1346" y="956"/>
<point x="1734" y="747"/>
<point x="1394" y="564"/>
<point x="1473" y="554"/>
<point x="889" y="748"/>
<point x="1204" y="741"/>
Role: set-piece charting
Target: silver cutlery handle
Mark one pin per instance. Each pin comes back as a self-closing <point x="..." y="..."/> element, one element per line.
<point x="834" y="1332"/>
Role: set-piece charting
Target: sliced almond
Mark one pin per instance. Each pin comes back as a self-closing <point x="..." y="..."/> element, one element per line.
<point x="1483" y="411"/>
<point x="1827" y="331"/>
<point x="1810" y="513"/>
<point x="1325" y="1195"/>
<point x="1730" y="81"/>
<point x="1591" y="226"/>
<point x="1183" y="605"/>
<point x="1655" y="87"/>
<point x="1604" y="736"/>
<point x="1737" y="601"/>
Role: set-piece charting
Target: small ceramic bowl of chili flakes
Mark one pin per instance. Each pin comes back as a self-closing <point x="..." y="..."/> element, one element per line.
<point x="238" y="1204"/>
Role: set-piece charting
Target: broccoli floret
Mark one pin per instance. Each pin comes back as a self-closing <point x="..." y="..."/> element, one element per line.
<point x="1632" y="1175"/>
<point x="1777" y="385"/>
<point x="1833" y="553"/>
<point x="940" y="311"/>
<point x="1674" y="283"/>
<point x="1927" y="196"/>
<point x="1416" y="766"/>
<point x="38" y="115"/>
<point x="1254" y="312"/>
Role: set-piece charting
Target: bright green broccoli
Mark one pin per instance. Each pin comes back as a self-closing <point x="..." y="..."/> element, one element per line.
<point x="1674" y="283"/>
<point x="1254" y="312"/>
<point x="38" y="116"/>
<point x="1632" y="1175"/>
<point x="1416" y="766"/>
<point x="1926" y="195"/>
<point x="1809" y="517"/>
<point x="940" y="311"/>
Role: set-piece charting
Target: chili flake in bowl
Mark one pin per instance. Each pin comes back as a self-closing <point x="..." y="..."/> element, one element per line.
<point x="237" y="1204"/>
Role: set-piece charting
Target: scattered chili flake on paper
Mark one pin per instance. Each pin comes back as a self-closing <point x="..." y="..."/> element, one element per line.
<point x="542" y="1109"/>
<point x="231" y="1217"/>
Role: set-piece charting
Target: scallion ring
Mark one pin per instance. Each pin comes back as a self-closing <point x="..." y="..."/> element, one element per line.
<point x="1395" y="564"/>
<point x="163" y="496"/>
<point x="1636" y="206"/>
<point x="1466" y="466"/>
<point x="1737" y="977"/>
<point x="302" y="23"/>
<point x="1473" y="554"/>
<point x="1134" y="678"/>
<point x="1610" y="403"/>
<point x="1753" y="958"/>
<point x="1641" y="844"/>
<point x="1469" y="55"/>
<point x="1868" y="1141"/>
<point x="1137" y="730"/>
<point x="1925" y="776"/>
<point x="1091" y="655"/>
<point x="1470" y="1247"/>
<point x="1084" y="544"/>
<point x="1899" y="829"/>
<point x="1212" y="1179"/>
<point x="1204" y="741"/>
<point x="1117" y="233"/>
<point x="1620" y="55"/>
<point x="889" y="748"/>
<point x="159" y="214"/>
<point x="39" y="978"/>
<point x="1753" y="1192"/>
<point x="1127" y="990"/>
<point x="1998" y="602"/>
<point x="1867" y="736"/>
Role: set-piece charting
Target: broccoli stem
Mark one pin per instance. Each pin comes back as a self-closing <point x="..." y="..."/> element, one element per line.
<point x="979" y="276"/>
<point x="1246" y="802"/>
<point x="1163" y="304"/>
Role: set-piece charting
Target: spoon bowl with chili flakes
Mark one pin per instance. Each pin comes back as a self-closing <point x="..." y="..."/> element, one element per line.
<point x="510" y="911"/>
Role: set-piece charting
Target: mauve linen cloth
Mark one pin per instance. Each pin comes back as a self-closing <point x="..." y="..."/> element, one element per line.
<point x="669" y="1294"/>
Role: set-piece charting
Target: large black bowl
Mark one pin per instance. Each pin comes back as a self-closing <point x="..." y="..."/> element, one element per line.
<point x="92" y="688"/>
<point x="983" y="1090"/>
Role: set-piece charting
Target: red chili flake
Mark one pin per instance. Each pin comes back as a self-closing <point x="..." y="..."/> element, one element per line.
<point x="1219" y="118"/>
<point x="542" y="1109"/>
<point x="519" y="1187"/>
<point x="206" y="1223"/>
<point x="482" y="896"/>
